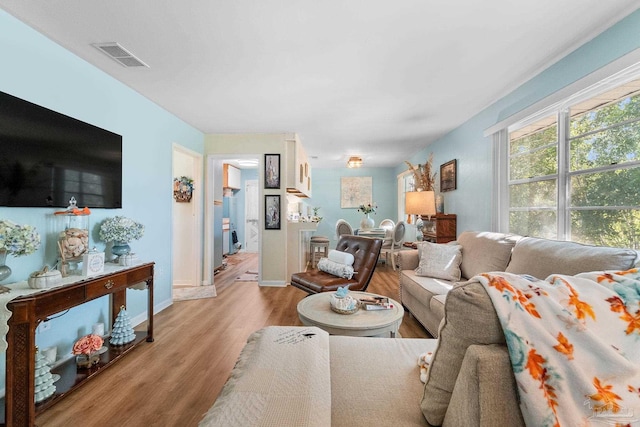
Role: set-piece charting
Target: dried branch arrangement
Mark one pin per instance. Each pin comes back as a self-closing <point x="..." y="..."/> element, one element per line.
<point x="424" y="178"/>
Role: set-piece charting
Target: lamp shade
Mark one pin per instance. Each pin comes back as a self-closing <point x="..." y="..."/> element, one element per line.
<point x="420" y="203"/>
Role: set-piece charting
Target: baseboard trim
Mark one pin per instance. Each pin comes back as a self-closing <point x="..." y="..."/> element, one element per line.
<point x="273" y="283"/>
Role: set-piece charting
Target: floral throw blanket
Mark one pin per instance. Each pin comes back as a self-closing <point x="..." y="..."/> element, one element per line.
<point x="574" y="344"/>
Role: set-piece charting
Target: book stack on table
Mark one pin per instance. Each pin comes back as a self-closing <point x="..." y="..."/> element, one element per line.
<point x="375" y="303"/>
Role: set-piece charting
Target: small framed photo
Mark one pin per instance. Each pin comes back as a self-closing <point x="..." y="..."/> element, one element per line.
<point x="272" y="218"/>
<point x="272" y="171"/>
<point x="448" y="179"/>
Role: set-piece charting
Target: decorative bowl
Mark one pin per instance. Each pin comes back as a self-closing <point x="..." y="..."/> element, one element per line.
<point x="44" y="278"/>
<point x="344" y="305"/>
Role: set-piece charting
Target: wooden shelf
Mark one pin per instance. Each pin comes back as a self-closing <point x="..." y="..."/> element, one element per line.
<point x="72" y="378"/>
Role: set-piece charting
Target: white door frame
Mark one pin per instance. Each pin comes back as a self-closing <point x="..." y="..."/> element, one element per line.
<point x="196" y="240"/>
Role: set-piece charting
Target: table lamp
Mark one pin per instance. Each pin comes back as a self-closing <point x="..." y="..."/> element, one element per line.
<point x="419" y="203"/>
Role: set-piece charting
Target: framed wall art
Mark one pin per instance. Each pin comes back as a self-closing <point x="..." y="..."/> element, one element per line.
<point x="272" y="171"/>
<point x="448" y="176"/>
<point x="355" y="191"/>
<point x="272" y="212"/>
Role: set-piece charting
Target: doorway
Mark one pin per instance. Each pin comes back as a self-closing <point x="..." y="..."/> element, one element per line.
<point x="215" y="260"/>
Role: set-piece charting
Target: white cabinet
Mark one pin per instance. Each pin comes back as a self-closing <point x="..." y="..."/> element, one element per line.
<point x="298" y="169"/>
<point x="231" y="177"/>
<point x="298" y="239"/>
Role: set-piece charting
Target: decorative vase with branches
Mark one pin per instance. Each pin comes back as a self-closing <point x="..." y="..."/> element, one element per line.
<point x="423" y="176"/>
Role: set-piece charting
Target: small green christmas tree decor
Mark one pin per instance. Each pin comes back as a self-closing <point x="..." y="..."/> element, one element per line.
<point x="122" y="333"/>
<point x="44" y="379"/>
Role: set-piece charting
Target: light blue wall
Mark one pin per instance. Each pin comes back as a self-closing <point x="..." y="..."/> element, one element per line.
<point x="38" y="70"/>
<point x="326" y="195"/>
<point x="472" y="200"/>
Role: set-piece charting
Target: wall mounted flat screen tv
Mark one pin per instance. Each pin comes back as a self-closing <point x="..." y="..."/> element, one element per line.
<point x="46" y="158"/>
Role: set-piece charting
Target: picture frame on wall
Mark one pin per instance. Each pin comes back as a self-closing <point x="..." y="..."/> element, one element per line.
<point x="448" y="176"/>
<point x="272" y="171"/>
<point x="355" y="191"/>
<point x="272" y="212"/>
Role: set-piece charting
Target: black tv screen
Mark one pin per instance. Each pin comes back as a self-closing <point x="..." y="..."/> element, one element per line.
<point x="46" y="158"/>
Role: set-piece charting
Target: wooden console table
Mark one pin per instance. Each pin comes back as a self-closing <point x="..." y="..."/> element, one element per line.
<point x="29" y="310"/>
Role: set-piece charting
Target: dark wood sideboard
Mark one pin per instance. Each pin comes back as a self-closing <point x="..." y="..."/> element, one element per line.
<point x="29" y="310"/>
<point x="440" y="228"/>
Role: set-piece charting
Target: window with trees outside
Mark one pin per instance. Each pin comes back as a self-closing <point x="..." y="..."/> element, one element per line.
<point x="575" y="173"/>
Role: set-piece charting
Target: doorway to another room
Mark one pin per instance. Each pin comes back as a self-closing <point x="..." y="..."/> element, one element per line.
<point x="233" y="202"/>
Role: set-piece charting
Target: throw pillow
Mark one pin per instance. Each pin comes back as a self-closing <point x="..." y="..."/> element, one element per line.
<point x="484" y="252"/>
<point x="469" y="319"/>
<point x="335" y="268"/>
<point x="439" y="261"/>
<point x="341" y="257"/>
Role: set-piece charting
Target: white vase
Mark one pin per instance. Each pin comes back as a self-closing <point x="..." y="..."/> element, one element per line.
<point x="367" y="222"/>
<point x="5" y="271"/>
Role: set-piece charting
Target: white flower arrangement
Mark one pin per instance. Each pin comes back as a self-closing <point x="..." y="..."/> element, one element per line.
<point x="18" y="240"/>
<point x="368" y="208"/>
<point x="120" y="229"/>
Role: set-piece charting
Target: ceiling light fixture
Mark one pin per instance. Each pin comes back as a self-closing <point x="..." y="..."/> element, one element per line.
<point x="354" y="162"/>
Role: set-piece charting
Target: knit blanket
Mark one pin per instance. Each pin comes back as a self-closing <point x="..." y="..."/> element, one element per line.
<point x="282" y="378"/>
<point x="574" y="344"/>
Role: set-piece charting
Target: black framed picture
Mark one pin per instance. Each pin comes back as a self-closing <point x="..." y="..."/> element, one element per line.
<point x="272" y="171"/>
<point x="448" y="178"/>
<point x="272" y="212"/>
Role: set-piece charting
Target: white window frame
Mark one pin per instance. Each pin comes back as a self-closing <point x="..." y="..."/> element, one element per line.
<point x="559" y="104"/>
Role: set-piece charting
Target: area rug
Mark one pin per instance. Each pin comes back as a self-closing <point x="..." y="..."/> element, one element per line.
<point x="249" y="276"/>
<point x="193" y="292"/>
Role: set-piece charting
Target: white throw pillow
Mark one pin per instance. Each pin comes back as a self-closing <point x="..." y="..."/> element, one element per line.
<point x="341" y="257"/>
<point x="335" y="268"/>
<point x="439" y="261"/>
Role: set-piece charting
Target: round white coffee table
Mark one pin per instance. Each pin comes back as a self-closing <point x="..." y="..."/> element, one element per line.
<point x="314" y="310"/>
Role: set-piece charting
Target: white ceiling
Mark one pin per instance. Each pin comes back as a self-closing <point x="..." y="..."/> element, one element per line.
<point x="375" y="78"/>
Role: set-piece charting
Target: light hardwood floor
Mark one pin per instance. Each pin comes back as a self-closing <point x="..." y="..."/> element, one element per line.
<point x="175" y="380"/>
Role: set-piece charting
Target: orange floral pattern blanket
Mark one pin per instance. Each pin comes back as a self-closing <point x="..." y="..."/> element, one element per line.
<point x="574" y="344"/>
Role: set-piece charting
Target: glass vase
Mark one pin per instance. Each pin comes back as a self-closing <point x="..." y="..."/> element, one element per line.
<point x="120" y="248"/>
<point x="5" y="271"/>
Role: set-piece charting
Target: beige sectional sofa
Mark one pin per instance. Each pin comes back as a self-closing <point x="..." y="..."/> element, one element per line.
<point x="482" y="252"/>
<point x="300" y="376"/>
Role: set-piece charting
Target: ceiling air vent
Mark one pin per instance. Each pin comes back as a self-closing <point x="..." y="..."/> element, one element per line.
<point x="119" y="54"/>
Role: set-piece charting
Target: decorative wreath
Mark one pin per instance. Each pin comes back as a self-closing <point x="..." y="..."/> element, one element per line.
<point x="182" y="189"/>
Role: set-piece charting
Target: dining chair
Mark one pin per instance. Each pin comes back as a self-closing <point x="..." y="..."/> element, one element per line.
<point x="392" y="244"/>
<point x="387" y="224"/>
<point x="343" y="228"/>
